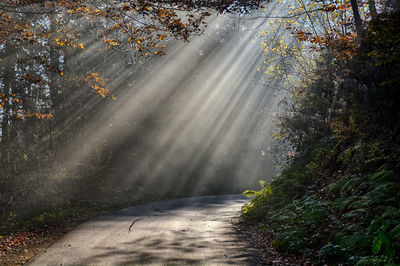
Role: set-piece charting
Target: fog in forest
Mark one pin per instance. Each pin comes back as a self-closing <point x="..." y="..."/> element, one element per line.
<point x="197" y="121"/>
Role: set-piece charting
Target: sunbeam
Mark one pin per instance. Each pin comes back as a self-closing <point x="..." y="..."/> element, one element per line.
<point x="189" y="121"/>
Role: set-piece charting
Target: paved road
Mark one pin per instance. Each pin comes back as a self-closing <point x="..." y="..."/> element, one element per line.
<point x="195" y="230"/>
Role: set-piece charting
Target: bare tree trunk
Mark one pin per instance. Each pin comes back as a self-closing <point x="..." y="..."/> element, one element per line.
<point x="9" y="87"/>
<point x="357" y="18"/>
<point x="54" y="76"/>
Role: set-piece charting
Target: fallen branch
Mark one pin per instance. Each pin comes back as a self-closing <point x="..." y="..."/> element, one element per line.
<point x="134" y="221"/>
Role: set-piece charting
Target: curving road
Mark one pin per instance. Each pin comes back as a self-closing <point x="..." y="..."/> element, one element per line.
<point x="195" y="230"/>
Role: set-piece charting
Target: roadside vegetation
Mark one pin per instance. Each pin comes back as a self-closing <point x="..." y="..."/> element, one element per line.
<point x="337" y="199"/>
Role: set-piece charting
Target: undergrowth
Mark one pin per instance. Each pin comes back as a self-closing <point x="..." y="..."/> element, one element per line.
<point x="337" y="201"/>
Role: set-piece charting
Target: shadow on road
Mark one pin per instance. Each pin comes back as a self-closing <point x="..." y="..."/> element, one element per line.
<point x="195" y="230"/>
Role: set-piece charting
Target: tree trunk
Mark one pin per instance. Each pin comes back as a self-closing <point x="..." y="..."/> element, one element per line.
<point x="357" y="18"/>
<point x="9" y="88"/>
<point x="9" y="81"/>
<point x="54" y="76"/>
<point x="372" y="9"/>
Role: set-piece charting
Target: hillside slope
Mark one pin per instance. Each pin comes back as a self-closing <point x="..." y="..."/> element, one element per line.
<point x="337" y="200"/>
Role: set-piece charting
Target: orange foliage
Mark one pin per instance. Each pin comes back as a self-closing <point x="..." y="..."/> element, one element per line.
<point x="6" y="98"/>
<point x="11" y="98"/>
<point x="23" y="115"/>
<point x="142" y="26"/>
<point x="339" y="37"/>
<point x="99" y="85"/>
<point x="342" y="45"/>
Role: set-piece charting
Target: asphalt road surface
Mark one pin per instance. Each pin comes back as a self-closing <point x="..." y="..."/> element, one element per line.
<point x="189" y="231"/>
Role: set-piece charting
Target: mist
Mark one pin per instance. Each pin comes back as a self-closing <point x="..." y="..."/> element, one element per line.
<point x="198" y="120"/>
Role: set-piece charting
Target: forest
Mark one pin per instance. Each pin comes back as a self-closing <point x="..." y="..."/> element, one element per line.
<point x="70" y="123"/>
<point x="336" y="200"/>
<point x="108" y="104"/>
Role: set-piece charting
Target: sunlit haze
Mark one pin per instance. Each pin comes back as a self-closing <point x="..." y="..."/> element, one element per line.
<point x="198" y="119"/>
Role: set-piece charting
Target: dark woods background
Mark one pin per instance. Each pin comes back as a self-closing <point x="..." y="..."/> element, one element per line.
<point x="337" y="199"/>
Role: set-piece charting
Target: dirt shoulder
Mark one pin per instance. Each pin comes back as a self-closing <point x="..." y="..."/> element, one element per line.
<point x="19" y="247"/>
<point x="264" y="243"/>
